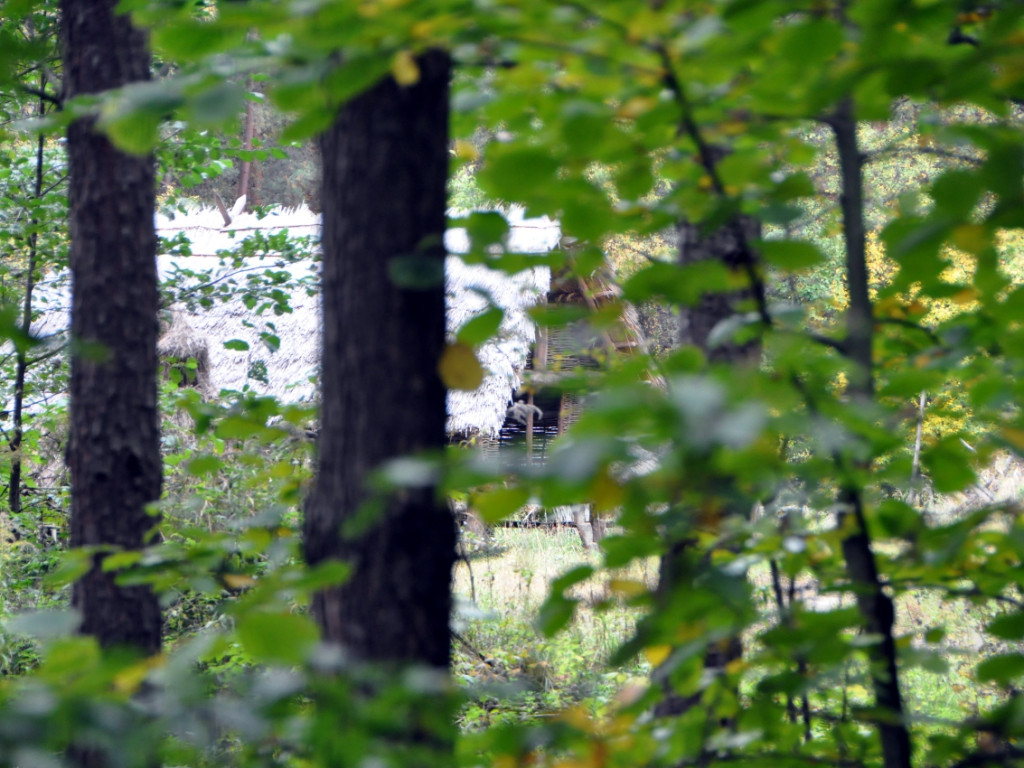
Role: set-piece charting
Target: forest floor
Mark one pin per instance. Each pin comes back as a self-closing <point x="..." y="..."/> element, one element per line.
<point x="511" y="671"/>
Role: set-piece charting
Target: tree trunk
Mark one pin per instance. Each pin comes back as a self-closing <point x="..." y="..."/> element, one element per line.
<point x="729" y="245"/>
<point x="583" y="526"/>
<point x="21" y="364"/>
<point x="114" y="450"/>
<point x="385" y="166"/>
<point x="247" y="133"/>
<point x="877" y="610"/>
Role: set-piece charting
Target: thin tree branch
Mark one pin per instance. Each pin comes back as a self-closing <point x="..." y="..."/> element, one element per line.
<point x="946" y="154"/>
<point x="709" y="162"/>
<point x="903" y="322"/>
<point x="41" y="94"/>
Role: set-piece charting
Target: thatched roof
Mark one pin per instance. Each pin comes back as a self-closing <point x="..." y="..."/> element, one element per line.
<point x="262" y="348"/>
<point x="469" y="291"/>
<point x="251" y="362"/>
<point x="208" y="235"/>
<point x="180" y="345"/>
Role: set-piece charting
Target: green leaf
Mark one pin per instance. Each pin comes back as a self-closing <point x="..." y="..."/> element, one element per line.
<point x="812" y="42"/>
<point x="136" y="132"/>
<point x="956" y="193"/>
<point x="44" y="625"/>
<point x="479" y="329"/>
<point x="416" y="271"/>
<point x="277" y="638"/>
<point x="791" y="255"/>
<point x="678" y="285"/>
<point x="1002" y="669"/>
<point x="236" y="344"/>
<point x="558" y="610"/>
<point x="484" y="228"/>
<point x="272" y="341"/>
<point x="205" y="464"/>
<point x="585" y="125"/>
<point x="495" y="505"/>
<point x="949" y="465"/>
<point x="330" y="573"/>
<point x="1009" y="626"/>
<point x="72" y="566"/>
<point x="897" y="518"/>
<point x="132" y="115"/>
<point x="118" y="560"/>
<point x="238" y="428"/>
<point x="518" y="174"/>
<point x="214" y="105"/>
<point x="190" y="39"/>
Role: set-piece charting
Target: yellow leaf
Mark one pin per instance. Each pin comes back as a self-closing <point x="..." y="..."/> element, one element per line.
<point x="1013" y="436"/>
<point x="130" y="678"/>
<point x="459" y="367"/>
<point x="464" y="150"/>
<point x="970" y="237"/>
<point x="404" y="68"/>
<point x="890" y="306"/>
<point x="238" y="580"/>
<point x="605" y="493"/>
<point x="424" y="29"/>
<point x="627" y="587"/>
<point x="628" y="694"/>
<point x="734" y="666"/>
<point x="966" y="296"/>
<point x="657" y="654"/>
<point x="636" y="106"/>
<point x="578" y="718"/>
<point x="571" y="81"/>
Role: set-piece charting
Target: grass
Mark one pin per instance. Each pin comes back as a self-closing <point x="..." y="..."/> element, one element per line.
<point x="509" y="669"/>
<point x="511" y="672"/>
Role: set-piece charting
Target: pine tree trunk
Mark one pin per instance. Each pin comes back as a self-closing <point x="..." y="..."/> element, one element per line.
<point x="114" y="451"/>
<point x="385" y="166"/>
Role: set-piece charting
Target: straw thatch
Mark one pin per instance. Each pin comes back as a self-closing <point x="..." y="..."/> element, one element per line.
<point x="178" y="346"/>
<point x="208" y="235"/>
<point x="469" y="291"/>
<point x="276" y="351"/>
<point x="268" y="348"/>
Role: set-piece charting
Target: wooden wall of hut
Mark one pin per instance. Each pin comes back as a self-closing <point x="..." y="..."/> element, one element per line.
<point x="582" y="344"/>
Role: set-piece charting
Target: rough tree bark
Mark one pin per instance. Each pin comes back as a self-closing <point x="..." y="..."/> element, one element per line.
<point x="730" y="246"/>
<point x="114" y="450"/>
<point x="385" y="166"/>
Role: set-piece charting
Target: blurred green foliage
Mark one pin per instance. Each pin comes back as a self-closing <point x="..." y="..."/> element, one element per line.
<point x="621" y="121"/>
